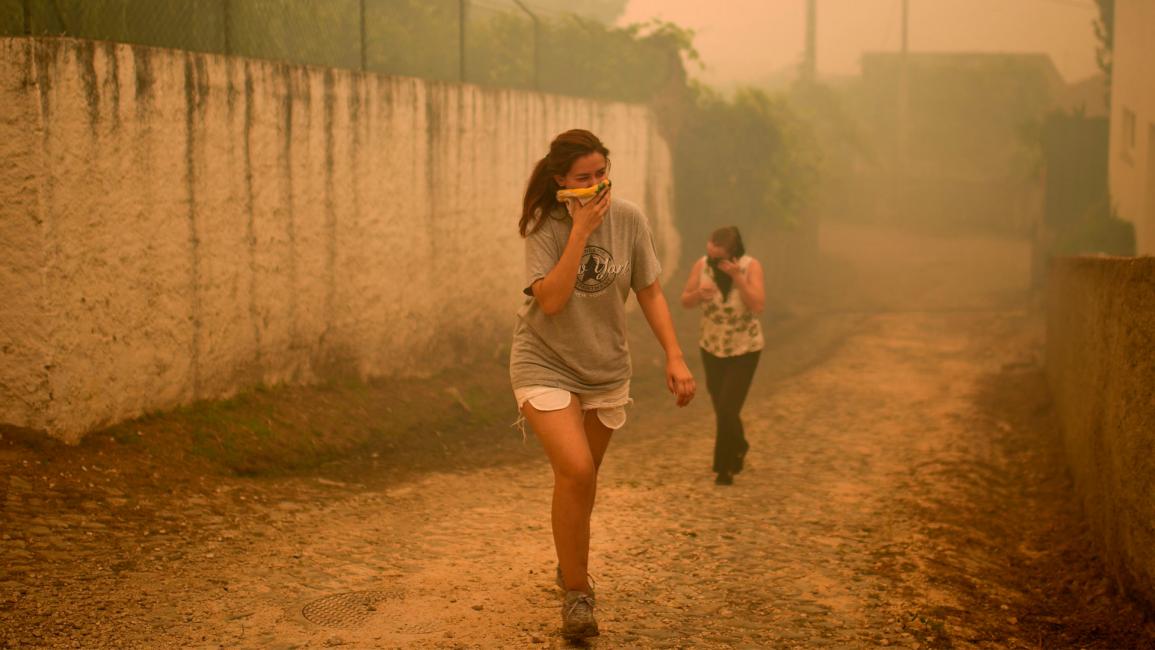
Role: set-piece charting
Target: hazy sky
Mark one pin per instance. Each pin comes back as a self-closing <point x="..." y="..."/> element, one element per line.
<point x="750" y="40"/>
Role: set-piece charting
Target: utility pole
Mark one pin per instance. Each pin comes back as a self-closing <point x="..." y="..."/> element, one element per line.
<point x="364" y="40"/>
<point x="903" y="130"/>
<point x="810" y="60"/>
<point x="227" y="16"/>
<point x="463" y="8"/>
<point x="536" y="44"/>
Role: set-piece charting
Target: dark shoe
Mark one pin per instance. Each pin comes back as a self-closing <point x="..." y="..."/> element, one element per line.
<point x="577" y="616"/>
<point x="724" y="478"/>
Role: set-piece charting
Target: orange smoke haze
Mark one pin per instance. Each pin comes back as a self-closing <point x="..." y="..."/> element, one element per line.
<point x="758" y="41"/>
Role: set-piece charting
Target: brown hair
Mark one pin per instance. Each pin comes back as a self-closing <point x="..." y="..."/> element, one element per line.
<point x="730" y="239"/>
<point x="541" y="191"/>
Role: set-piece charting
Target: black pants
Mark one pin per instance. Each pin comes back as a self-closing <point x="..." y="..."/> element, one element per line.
<point x="728" y="380"/>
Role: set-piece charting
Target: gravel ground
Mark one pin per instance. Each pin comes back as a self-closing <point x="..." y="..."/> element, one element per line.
<point x="905" y="488"/>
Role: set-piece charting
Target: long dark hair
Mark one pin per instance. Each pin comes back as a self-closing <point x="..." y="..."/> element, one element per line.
<point x="730" y="239"/>
<point x="541" y="191"/>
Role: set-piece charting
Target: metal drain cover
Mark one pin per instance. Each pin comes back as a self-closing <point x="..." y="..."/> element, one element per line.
<point x="349" y="609"/>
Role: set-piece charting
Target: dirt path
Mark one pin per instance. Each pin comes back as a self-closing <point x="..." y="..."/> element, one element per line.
<point x="907" y="491"/>
<point x="844" y="532"/>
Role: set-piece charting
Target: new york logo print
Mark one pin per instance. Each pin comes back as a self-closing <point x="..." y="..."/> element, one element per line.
<point x="597" y="270"/>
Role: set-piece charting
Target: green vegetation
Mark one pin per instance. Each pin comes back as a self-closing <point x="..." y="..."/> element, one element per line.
<point x="1098" y="231"/>
<point x="749" y="161"/>
<point x="965" y="110"/>
<point x="1105" y="34"/>
<point x="634" y="64"/>
<point x="197" y="25"/>
<point x="317" y="32"/>
<point x="416" y="38"/>
<point x="300" y="429"/>
<point x="965" y="158"/>
<point x="503" y="46"/>
<point x="1072" y="148"/>
<point x="11" y="17"/>
<point x="605" y="11"/>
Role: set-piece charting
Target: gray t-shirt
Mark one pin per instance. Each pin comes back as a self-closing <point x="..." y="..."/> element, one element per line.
<point x="583" y="348"/>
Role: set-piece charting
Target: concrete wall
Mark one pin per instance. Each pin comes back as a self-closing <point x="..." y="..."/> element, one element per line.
<point x="1132" y="163"/>
<point x="178" y="226"/>
<point x="1101" y="366"/>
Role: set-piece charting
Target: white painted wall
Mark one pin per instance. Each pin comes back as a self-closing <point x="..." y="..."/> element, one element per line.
<point x="1132" y="164"/>
<point x="179" y="226"/>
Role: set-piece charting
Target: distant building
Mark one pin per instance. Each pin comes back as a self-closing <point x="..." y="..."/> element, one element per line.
<point x="1132" y="149"/>
<point x="966" y="109"/>
<point x="960" y="154"/>
<point x="1087" y="97"/>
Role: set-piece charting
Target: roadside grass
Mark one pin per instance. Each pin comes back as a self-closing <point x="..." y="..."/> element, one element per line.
<point x="296" y="429"/>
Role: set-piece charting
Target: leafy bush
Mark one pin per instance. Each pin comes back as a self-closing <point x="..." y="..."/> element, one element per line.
<point x="750" y="161"/>
<point x="1099" y="231"/>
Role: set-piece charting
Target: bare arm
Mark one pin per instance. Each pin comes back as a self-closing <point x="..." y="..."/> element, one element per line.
<point x="692" y="294"/>
<point x="657" y="312"/>
<point x="554" y="290"/>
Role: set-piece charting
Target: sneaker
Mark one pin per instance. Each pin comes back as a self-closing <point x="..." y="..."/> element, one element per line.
<point x="724" y="478"/>
<point x="577" y="616"/>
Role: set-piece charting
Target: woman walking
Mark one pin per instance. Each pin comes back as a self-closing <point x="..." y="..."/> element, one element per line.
<point x="728" y="285"/>
<point x="569" y="362"/>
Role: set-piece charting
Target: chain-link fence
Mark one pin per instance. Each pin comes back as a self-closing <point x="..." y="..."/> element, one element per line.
<point x="499" y="44"/>
<point x="504" y="43"/>
<point x="186" y="24"/>
<point x="417" y="38"/>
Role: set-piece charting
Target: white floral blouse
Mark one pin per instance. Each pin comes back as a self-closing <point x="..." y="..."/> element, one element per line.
<point x="728" y="328"/>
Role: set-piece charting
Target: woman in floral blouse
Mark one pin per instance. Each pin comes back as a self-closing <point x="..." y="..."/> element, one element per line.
<point x="728" y="285"/>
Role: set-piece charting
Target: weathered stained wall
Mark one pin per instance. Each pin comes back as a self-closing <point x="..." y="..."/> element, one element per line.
<point x="1101" y="367"/>
<point x="177" y="226"/>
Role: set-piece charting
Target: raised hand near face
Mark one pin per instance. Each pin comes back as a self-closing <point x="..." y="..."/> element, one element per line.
<point x="730" y="268"/>
<point x="587" y="218"/>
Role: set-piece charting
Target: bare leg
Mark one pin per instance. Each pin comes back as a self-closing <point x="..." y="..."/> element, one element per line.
<point x="599" y="436"/>
<point x="575" y="447"/>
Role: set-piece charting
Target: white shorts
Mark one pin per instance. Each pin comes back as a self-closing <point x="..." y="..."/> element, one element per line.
<point x="610" y="405"/>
